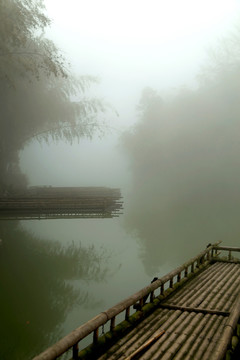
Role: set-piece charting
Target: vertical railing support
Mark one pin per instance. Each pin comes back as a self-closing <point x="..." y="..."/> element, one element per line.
<point x="127" y="313"/>
<point x="162" y="289"/>
<point x="75" y="351"/>
<point x="179" y="277"/>
<point x="112" y="325"/>
<point x="141" y="302"/>
<point x="95" y="335"/>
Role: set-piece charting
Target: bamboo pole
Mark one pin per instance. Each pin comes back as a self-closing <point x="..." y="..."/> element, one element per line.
<point x="227" y="248"/>
<point x="145" y="345"/>
<point x="194" y="309"/>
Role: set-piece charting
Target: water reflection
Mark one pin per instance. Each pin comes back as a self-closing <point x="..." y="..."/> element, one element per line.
<point x="174" y="232"/>
<point x="38" y="290"/>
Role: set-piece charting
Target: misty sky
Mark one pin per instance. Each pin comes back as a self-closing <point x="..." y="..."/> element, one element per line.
<point x="128" y="45"/>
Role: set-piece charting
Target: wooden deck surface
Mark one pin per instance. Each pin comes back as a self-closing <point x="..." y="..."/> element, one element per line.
<point x="193" y="332"/>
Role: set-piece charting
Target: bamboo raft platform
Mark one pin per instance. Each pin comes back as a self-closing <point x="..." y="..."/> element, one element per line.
<point x="61" y="202"/>
<point x="191" y="313"/>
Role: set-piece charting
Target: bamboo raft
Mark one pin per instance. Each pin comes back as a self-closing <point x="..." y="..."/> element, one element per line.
<point x="61" y="202"/>
<point x="191" y="313"/>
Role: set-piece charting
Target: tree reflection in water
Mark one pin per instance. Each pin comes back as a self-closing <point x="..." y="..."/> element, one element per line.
<point x="37" y="290"/>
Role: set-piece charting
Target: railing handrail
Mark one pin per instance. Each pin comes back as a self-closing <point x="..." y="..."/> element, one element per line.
<point x="84" y="330"/>
<point x="227" y="248"/>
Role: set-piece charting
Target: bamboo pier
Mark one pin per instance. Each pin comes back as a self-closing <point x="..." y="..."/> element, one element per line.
<point x="61" y="202"/>
<point x="192" y="313"/>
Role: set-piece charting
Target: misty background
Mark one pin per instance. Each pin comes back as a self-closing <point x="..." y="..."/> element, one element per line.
<point x="175" y="159"/>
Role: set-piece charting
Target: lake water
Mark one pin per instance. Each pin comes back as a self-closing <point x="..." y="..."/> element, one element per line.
<point x="57" y="274"/>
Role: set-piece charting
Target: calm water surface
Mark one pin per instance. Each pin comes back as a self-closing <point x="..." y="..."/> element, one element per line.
<point x="57" y="274"/>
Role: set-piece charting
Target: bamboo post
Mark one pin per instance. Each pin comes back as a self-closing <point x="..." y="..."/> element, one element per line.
<point x="112" y="325"/>
<point x="75" y="351"/>
<point x="95" y="335"/>
<point x="179" y="277"/>
<point x="162" y="289"/>
<point x="127" y="313"/>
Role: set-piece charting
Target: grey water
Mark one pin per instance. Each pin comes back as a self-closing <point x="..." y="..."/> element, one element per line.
<point x="57" y="274"/>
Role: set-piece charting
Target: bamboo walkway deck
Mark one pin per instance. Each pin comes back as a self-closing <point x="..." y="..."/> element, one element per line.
<point x="195" y="316"/>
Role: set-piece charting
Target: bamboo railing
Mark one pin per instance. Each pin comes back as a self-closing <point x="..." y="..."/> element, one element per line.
<point x="92" y="326"/>
<point x="229" y="249"/>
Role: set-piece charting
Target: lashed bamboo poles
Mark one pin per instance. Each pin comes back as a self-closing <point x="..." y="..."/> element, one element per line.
<point x="140" y="334"/>
<point x="210" y="339"/>
<point x="183" y="297"/>
<point x="202" y="284"/>
<point x="196" y="340"/>
<point x="53" y="202"/>
<point x="172" y="336"/>
<point x="228" y="331"/>
<point x="91" y="326"/>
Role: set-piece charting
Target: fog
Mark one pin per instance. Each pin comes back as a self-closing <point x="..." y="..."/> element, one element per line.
<point x="176" y="161"/>
<point x="128" y="46"/>
<point x="185" y="164"/>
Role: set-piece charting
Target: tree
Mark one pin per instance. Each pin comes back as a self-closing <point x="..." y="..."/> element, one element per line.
<point x="184" y="157"/>
<point x="39" y="96"/>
